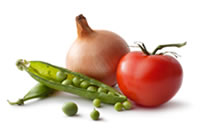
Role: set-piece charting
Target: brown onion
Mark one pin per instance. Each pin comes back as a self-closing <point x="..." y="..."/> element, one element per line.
<point x="96" y="53"/>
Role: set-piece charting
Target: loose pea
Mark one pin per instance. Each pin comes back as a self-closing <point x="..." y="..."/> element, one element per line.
<point x="84" y="84"/>
<point x="61" y="75"/>
<point x="67" y="82"/>
<point x="70" y="108"/>
<point x="102" y="90"/>
<point x="97" y="102"/>
<point x="92" y="88"/>
<point x="127" y="105"/>
<point x="76" y="81"/>
<point x="95" y="114"/>
<point x="118" y="106"/>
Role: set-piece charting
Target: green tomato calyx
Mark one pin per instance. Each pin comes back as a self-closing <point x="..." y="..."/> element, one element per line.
<point x="159" y="47"/>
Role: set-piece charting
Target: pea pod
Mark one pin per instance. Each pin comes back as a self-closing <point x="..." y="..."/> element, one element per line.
<point x="38" y="91"/>
<point x="46" y="74"/>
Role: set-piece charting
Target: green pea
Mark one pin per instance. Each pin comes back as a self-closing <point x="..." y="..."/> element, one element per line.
<point x="84" y="84"/>
<point x="127" y="105"/>
<point x="92" y="88"/>
<point x="61" y="75"/>
<point x="111" y="93"/>
<point x="70" y="108"/>
<point x="67" y="82"/>
<point x="122" y="96"/>
<point x="95" y="114"/>
<point x="102" y="90"/>
<point x="97" y="102"/>
<point x="118" y="106"/>
<point x="76" y="81"/>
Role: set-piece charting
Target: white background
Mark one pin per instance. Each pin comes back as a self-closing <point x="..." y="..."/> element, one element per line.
<point x="45" y="29"/>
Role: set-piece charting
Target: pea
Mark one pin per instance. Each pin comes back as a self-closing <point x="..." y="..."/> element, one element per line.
<point x="122" y="96"/>
<point x="95" y="114"/>
<point x="76" y="81"/>
<point x="67" y="82"/>
<point x="61" y="75"/>
<point x="70" y="108"/>
<point x="111" y="93"/>
<point x="97" y="102"/>
<point x="118" y="106"/>
<point x="92" y="88"/>
<point x="102" y="90"/>
<point x="84" y="84"/>
<point x="127" y="105"/>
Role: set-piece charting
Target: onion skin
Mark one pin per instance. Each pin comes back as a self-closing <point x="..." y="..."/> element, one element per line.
<point x="96" y="53"/>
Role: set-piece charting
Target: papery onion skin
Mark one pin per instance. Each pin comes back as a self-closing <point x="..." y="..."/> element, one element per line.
<point x="96" y="53"/>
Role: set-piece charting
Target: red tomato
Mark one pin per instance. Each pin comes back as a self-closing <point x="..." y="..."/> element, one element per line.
<point x="149" y="80"/>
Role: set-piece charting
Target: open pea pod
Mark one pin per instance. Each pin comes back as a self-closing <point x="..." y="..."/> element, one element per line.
<point x="71" y="82"/>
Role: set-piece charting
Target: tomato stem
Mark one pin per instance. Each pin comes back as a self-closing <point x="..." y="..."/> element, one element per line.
<point x="170" y="52"/>
<point x="178" y="45"/>
<point x="143" y="48"/>
<point x="147" y="52"/>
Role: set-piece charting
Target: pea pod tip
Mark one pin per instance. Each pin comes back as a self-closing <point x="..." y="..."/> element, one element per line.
<point x="18" y="102"/>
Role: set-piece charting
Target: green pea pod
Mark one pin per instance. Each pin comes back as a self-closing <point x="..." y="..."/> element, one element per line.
<point x="38" y="91"/>
<point x="46" y="74"/>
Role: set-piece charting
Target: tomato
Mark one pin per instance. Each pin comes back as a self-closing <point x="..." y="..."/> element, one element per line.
<point x="149" y="80"/>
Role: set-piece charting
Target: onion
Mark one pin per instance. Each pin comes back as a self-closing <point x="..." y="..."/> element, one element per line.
<point x="96" y="53"/>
